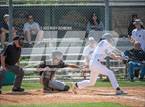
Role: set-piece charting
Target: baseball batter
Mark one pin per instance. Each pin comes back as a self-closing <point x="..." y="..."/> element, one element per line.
<point x="104" y="48"/>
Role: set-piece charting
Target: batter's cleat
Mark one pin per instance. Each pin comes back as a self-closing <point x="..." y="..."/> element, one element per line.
<point x="120" y="92"/>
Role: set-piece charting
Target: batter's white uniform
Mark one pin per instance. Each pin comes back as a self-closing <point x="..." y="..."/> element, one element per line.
<point x="139" y="35"/>
<point x="103" y="49"/>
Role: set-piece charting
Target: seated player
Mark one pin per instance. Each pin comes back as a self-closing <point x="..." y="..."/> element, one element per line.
<point x="136" y="61"/>
<point x="47" y="73"/>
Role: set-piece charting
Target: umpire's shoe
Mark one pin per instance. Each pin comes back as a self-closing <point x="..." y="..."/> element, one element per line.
<point x="17" y="90"/>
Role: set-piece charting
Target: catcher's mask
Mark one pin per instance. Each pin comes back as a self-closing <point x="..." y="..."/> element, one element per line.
<point x="57" y="56"/>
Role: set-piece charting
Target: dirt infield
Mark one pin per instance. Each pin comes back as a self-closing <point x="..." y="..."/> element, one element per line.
<point x="135" y="97"/>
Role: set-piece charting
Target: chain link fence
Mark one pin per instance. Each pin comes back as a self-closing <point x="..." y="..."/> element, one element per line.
<point x="75" y="16"/>
<point x="51" y="17"/>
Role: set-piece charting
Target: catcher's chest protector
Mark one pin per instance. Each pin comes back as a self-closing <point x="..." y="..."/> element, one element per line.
<point x="49" y="74"/>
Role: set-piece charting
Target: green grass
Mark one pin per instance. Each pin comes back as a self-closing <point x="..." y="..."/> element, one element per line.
<point x="107" y="104"/>
<point x="36" y="85"/>
<point x="122" y="83"/>
<point x="26" y="85"/>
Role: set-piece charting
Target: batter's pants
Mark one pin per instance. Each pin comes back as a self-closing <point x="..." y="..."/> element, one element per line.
<point x="97" y="68"/>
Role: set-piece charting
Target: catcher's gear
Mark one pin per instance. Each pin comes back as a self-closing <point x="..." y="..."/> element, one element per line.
<point x="66" y="88"/>
<point x="57" y="55"/>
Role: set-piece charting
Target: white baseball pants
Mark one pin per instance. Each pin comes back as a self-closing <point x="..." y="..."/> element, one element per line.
<point x="97" y="68"/>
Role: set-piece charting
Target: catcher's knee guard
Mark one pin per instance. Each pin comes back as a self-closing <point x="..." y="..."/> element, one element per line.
<point x="45" y="82"/>
<point x="66" y="88"/>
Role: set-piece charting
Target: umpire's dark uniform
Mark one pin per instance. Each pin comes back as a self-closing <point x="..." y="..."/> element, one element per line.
<point x="12" y="54"/>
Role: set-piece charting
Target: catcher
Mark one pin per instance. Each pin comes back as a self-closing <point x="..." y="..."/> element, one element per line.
<point x="47" y="72"/>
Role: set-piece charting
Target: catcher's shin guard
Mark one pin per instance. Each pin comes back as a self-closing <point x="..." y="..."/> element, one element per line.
<point x="45" y="82"/>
